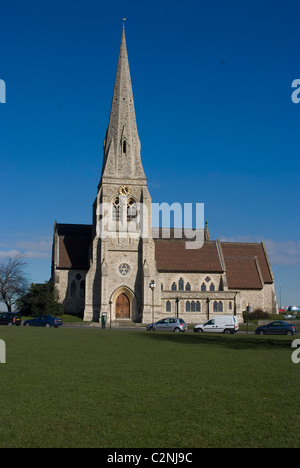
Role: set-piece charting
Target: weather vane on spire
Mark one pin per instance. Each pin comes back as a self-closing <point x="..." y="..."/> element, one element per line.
<point x="124" y="19"/>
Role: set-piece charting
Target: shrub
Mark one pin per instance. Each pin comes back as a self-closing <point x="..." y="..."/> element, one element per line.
<point x="257" y="314"/>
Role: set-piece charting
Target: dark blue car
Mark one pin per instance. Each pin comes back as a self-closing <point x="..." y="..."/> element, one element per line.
<point x="277" y="328"/>
<point x="44" y="321"/>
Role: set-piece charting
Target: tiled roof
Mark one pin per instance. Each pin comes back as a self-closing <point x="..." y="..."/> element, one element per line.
<point x="246" y="264"/>
<point x="242" y="273"/>
<point x="247" y="250"/>
<point x="74" y="242"/>
<point x="172" y="255"/>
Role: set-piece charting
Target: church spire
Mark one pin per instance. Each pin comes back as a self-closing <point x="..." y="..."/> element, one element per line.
<point x="121" y="158"/>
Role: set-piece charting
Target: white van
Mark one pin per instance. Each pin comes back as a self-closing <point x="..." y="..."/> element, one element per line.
<point x="222" y="324"/>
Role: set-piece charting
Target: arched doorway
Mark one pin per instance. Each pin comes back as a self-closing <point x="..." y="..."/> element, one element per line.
<point x="122" y="307"/>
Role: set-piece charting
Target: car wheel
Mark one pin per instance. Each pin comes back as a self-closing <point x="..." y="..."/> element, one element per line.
<point x="27" y="325"/>
<point x="289" y="333"/>
<point x="177" y="330"/>
<point x="47" y="325"/>
<point x="227" y="332"/>
<point x="261" y="332"/>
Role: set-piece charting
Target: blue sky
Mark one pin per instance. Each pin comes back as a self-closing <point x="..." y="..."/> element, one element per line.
<point x="212" y="89"/>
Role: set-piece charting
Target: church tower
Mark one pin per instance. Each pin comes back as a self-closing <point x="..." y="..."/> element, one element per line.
<point x="122" y="251"/>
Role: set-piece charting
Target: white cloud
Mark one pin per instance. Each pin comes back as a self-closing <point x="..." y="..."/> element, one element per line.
<point x="35" y="248"/>
<point x="9" y="253"/>
<point x="283" y="252"/>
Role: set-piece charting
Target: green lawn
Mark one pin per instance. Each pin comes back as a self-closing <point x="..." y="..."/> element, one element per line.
<point x="102" y="388"/>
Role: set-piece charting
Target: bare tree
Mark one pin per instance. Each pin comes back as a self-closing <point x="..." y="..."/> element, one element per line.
<point x="13" y="280"/>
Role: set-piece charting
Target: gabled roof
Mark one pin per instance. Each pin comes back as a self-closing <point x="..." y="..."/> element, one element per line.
<point x="246" y="265"/>
<point x="235" y="250"/>
<point x="243" y="273"/>
<point x="172" y="255"/>
<point x="73" y="245"/>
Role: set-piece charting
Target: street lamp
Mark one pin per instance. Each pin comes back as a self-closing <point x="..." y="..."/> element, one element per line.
<point x="110" y="307"/>
<point x="152" y="286"/>
<point x="280" y="289"/>
<point x="177" y="306"/>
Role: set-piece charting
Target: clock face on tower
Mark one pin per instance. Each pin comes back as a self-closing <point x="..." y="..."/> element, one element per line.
<point x="124" y="190"/>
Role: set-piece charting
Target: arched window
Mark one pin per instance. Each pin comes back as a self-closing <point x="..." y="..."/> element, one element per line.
<point x="82" y="288"/>
<point x="203" y="287"/>
<point x="124" y="146"/>
<point x="116" y="210"/>
<point x="187" y="306"/>
<point x="212" y="287"/>
<point x="168" y="306"/>
<point x="73" y="288"/>
<point x="187" y="287"/>
<point x="198" y="306"/>
<point x="218" y="306"/>
<point x="161" y="286"/>
<point x="193" y="306"/>
<point x="131" y="209"/>
<point x="180" y="284"/>
<point x="174" y="287"/>
<point x="230" y="305"/>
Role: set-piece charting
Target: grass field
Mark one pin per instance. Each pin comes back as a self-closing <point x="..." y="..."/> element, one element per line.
<point x="102" y="388"/>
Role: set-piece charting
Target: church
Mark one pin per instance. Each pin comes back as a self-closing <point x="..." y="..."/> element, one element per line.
<point x="121" y="267"/>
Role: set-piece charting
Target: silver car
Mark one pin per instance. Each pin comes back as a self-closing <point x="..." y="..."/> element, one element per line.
<point x="168" y="324"/>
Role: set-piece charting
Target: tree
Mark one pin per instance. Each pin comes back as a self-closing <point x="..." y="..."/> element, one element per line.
<point x="13" y="280"/>
<point x="39" y="300"/>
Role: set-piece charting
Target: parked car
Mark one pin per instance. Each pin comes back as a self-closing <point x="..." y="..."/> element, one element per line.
<point x="10" y="318"/>
<point x="222" y="324"/>
<point x="277" y="328"/>
<point x="168" y="324"/>
<point x="44" y="321"/>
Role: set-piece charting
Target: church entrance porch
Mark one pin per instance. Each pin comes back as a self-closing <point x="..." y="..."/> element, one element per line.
<point x="122" y="307"/>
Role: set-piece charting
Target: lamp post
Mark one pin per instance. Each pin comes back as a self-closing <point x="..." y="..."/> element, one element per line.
<point x="208" y="311"/>
<point x="177" y="306"/>
<point x="152" y="286"/>
<point x="110" y="304"/>
<point x="280" y="303"/>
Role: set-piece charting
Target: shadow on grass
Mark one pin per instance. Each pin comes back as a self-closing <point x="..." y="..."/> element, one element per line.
<point x="227" y="341"/>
